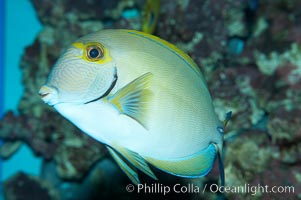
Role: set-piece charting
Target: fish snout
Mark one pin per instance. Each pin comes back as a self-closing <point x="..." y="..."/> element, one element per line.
<point x="48" y="95"/>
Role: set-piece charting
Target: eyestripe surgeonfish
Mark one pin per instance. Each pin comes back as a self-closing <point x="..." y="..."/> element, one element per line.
<point x="143" y="98"/>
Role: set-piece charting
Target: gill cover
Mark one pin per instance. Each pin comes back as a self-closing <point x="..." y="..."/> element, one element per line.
<point x="83" y="73"/>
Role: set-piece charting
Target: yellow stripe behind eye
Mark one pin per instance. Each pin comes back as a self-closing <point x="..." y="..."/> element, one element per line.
<point x="78" y="45"/>
<point x="106" y="58"/>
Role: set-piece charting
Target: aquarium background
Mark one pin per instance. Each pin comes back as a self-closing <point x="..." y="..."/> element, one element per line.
<point x="249" y="52"/>
<point x="1" y="78"/>
<point x="19" y="31"/>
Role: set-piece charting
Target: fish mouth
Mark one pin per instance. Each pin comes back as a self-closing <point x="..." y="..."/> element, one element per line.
<point x="108" y="90"/>
<point x="48" y="95"/>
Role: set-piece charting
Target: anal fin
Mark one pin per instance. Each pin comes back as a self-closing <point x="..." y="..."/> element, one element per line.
<point x="193" y="166"/>
<point x="129" y="170"/>
<point x="136" y="160"/>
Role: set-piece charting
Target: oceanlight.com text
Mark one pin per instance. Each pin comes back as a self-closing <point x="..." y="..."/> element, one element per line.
<point x="158" y="188"/>
<point x="249" y="189"/>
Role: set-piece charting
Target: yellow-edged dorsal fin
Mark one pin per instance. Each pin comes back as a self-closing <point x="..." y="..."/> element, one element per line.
<point x="132" y="99"/>
<point x="171" y="48"/>
<point x="136" y="160"/>
<point x="127" y="168"/>
<point x="193" y="166"/>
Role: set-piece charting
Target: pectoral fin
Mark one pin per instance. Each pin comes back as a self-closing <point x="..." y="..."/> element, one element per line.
<point x="196" y="165"/>
<point x="132" y="99"/>
<point x="127" y="168"/>
<point x="136" y="160"/>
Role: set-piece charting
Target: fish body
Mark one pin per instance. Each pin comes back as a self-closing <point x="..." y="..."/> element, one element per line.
<point x="145" y="99"/>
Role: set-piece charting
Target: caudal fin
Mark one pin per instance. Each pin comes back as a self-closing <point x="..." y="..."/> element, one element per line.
<point x="221" y="169"/>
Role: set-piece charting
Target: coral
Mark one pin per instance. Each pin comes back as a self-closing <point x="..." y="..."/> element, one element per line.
<point x="22" y="186"/>
<point x="65" y="144"/>
<point x="269" y="65"/>
<point x="9" y="148"/>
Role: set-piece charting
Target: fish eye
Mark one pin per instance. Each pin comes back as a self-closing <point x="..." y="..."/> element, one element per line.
<point x="94" y="53"/>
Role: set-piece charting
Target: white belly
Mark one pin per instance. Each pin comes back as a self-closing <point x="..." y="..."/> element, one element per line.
<point x="104" y="123"/>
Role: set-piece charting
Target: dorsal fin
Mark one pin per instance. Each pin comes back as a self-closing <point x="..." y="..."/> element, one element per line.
<point x="181" y="54"/>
